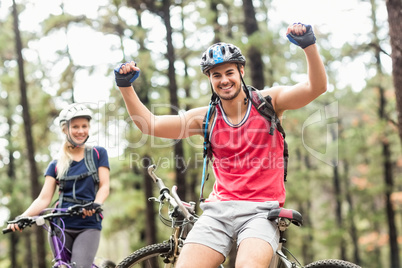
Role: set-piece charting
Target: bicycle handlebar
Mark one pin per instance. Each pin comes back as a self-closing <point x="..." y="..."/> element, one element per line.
<point x="163" y="189"/>
<point x="173" y="199"/>
<point x="75" y="210"/>
<point x="183" y="209"/>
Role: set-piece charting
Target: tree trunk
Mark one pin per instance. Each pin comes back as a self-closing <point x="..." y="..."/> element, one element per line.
<point x="338" y="210"/>
<point x="338" y="202"/>
<point x="389" y="182"/>
<point x="394" y="8"/>
<point x="308" y="238"/>
<point x="213" y="6"/>
<point x="353" y="228"/>
<point x="254" y="58"/>
<point x="28" y="262"/>
<point x="40" y="240"/>
<point x="178" y="147"/>
<point x="377" y="228"/>
<point x="14" y="238"/>
<point x="150" y="228"/>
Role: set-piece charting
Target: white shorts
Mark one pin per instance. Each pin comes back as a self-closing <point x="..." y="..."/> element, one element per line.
<point x="224" y="222"/>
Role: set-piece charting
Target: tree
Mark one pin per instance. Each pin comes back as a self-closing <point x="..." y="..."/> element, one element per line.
<point x="385" y="142"/>
<point x="394" y="8"/>
<point x="40" y="242"/>
<point x="254" y="57"/>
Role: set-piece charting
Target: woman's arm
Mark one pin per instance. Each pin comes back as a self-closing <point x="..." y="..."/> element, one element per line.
<point x="104" y="185"/>
<point x="44" y="198"/>
<point x="41" y="202"/>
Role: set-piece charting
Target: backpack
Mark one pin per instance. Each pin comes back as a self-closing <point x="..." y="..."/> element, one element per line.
<point x="265" y="108"/>
<point x="92" y="171"/>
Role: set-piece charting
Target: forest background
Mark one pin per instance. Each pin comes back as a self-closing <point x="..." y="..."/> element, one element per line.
<point x="345" y="147"/>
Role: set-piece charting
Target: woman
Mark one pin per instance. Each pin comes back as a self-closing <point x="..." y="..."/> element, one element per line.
<point x="82" y="174"/>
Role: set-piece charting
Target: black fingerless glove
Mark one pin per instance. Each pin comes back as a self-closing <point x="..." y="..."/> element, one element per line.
<point x="96" y="207"/>
<point x="125" y="80"/>
<point x="305" y="40"/>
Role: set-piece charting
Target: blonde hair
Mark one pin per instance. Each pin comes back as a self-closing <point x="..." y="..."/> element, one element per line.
<point x="65" y="158"/>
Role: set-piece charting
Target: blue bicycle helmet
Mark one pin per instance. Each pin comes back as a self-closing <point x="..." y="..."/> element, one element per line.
<point x="220" y="53"/>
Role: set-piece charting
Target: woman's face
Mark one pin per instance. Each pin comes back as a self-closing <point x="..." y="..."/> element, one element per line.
<point x="78" y="129"/>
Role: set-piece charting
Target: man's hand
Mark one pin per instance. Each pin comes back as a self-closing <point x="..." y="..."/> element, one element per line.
<point x="126" y="73"/>
<point x="301" y="35"/>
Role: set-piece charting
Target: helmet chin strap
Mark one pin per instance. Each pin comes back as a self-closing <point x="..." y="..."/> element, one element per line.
<point x="244" y="86"/>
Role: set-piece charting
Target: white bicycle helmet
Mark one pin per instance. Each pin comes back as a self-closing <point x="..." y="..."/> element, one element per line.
<point x="73" y="111"/>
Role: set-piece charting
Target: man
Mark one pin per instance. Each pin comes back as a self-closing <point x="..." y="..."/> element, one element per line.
<point x="243" y="192"/>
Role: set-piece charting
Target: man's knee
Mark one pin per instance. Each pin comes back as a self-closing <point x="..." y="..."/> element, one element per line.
<point x="254" y="252"/>
<point x="197" y="255"/>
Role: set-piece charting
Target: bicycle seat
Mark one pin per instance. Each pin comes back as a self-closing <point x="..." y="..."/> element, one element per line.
<point x="292" y="215"/>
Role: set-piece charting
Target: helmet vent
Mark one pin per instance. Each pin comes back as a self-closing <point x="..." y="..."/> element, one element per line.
<point x="223" y="50"/>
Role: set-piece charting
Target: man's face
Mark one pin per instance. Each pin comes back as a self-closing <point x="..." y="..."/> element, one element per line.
<point x="225" y="80"/>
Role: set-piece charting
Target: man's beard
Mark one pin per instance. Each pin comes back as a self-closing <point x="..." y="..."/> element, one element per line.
<point x="232" y="97"/>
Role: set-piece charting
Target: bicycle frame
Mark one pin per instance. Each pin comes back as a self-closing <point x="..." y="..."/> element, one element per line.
<point x="280" y="258"/>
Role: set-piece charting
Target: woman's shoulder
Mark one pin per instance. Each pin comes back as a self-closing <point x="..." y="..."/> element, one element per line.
<point x="53" y="163"/>
<point x="98" y="148"/>
<point x="99" y="151"/>
<point x="51" y="168"/>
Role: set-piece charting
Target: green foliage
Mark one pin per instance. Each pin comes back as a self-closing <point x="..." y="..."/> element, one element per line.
<point x="344" y="137"/>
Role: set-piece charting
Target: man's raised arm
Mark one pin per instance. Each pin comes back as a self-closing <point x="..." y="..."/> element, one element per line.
<point x="166" y="126"/>
<point x="301" y="94"/>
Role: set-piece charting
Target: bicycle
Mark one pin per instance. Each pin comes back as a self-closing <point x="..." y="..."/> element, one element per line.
<point x="182" y="216"/>
<point x="46" y="219"/>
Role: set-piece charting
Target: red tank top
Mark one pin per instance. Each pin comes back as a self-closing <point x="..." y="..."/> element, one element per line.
<point x="248" y="161"/>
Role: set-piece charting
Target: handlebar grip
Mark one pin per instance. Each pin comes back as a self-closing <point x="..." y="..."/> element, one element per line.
<point x="5" y="231"/>
<point x="162" y="187"/>
<point x="151" y="173"/>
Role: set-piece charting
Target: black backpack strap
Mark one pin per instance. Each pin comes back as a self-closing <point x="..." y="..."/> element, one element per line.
<point x="90" y="163"/>
<point x="207" y="143"/>
<point x="91" y="166"/>
<point x="92" y="171"/>
<point x="266" y="109"/>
